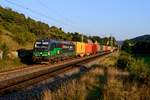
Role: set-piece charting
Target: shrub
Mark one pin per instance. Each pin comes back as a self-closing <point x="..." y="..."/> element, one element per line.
<point x="16" y="61"/>
<point x="30" y="37"/>
<point x="23" y="38"/>
<point x="124" y="60"/>
<point x="139" y="69"/>
<point x="127" y="46"/>
<point x="5" y="49"/>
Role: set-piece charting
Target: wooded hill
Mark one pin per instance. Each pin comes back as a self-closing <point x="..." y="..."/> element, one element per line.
<point x="143" y="38"/>
<point x="19" y="30"/>
<point x="140" y="44"/>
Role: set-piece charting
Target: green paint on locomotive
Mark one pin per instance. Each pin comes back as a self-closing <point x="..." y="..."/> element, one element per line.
<point x="49" y="53"/>
<point x="56" y="51"/>
<point x="40" y="54"/>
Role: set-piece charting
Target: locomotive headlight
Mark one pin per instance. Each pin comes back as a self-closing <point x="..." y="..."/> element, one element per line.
<point x="35" y="45"/>
<point x="48" y="52"/>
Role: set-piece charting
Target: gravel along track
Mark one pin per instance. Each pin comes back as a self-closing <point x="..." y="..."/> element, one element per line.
<point x="20" y="79"/>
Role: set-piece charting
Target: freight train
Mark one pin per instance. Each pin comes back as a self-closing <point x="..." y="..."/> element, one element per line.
<point x="51" y="50"/>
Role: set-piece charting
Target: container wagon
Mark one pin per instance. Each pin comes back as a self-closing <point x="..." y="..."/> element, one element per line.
<point x="88" y="48"/>
<point x="80" y="49"/>
<point x="94" y="48"/>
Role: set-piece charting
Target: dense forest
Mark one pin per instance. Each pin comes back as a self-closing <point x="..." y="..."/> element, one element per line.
<point x="25" y="30"/>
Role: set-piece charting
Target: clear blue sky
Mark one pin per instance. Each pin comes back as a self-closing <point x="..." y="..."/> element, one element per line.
<point x="121" y="18"/>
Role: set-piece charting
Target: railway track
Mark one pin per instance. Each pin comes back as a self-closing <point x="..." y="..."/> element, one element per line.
<point x="19" y="79"/>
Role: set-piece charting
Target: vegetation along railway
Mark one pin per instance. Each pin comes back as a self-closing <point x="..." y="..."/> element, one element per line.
<point x="64" y="53"/>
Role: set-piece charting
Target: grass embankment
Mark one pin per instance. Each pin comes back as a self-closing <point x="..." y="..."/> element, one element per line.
<point x="6" y="65"/>
<point x="105" y="82"/>
<point x="86" y="87"/>
<point x="8" y="44"/>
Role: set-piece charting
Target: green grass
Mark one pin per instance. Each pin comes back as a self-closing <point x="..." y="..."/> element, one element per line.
<point x="137" y="65"/>
<point x="145" y="57"/>
<point x="9" y="44"/>
<point x="10" y="64"/>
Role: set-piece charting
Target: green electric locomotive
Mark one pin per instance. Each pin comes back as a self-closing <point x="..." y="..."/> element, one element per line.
<point x="52" y="50"/>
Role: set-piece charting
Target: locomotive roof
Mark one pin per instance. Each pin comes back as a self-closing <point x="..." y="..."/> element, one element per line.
<point x="55" y="41"/>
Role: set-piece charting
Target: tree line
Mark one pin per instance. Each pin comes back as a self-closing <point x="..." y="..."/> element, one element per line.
<point x="136" y="47"/>
<point x="25" y="29"/>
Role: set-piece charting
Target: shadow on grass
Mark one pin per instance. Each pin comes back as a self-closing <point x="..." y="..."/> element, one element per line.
<point x="25" y="56"/>
<point x="35" y="92"/>
<point x="97" y="92"/>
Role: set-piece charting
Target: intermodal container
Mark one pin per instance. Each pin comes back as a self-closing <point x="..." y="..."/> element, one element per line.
<point x="104" y="48"/>
<point x="88" y="48"/>
<point x="80" y="48"/>
<point x="98" y="48"/>
<point x="94" y="48"/>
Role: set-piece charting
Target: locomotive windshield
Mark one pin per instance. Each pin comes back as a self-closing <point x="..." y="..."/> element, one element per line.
<point x="41" y="45"/>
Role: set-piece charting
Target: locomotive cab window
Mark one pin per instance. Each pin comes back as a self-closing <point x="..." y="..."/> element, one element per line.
<point x="39" y="45"/>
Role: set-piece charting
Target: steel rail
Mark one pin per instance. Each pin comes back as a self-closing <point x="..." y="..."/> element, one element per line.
<point x="16" y="83"/>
